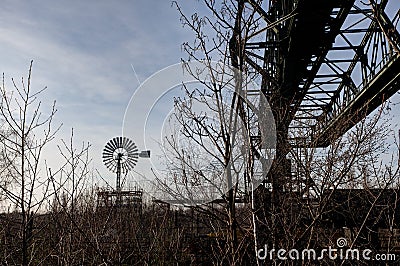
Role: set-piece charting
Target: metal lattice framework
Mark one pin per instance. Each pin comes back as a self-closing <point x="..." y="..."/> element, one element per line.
<point x="334" y="62"/>
<point x="323" y="66"/>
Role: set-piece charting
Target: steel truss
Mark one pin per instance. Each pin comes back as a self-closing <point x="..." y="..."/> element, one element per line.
<point x="335" y="61"/>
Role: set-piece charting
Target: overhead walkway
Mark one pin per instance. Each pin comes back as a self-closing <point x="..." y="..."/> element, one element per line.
<point x="333" y="62"/>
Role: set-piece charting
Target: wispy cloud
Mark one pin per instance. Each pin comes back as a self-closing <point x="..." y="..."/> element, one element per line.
<point x="83" y="51"/>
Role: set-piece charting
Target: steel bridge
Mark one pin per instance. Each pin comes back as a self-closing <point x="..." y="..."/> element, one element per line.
<point x="335" y="60"/>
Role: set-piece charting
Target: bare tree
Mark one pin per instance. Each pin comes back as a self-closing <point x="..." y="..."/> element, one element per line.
<point x="208" y="149"/>
<point x="26" y="131"/>
<point x="70" y="198"/>
<point x="291" y="212"/>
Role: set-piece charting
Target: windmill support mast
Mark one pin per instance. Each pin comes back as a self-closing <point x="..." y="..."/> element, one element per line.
<point x="118" y="184"/>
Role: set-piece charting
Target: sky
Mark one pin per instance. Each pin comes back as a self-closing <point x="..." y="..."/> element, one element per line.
<point x="92" y="56"/>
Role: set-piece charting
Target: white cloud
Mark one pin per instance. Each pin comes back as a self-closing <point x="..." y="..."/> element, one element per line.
<point x="83" y="51"/>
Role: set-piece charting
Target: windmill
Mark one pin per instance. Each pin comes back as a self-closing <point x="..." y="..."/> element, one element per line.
<point x="120" y="155"/>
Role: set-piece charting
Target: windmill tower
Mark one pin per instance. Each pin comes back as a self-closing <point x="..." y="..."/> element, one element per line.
<point x="120" y="155"/>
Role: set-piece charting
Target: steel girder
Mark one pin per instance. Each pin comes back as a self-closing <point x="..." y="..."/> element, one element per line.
<point x="334" y="61"/>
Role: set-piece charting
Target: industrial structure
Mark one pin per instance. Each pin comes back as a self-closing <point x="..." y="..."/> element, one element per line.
<point x="324" y="66"/>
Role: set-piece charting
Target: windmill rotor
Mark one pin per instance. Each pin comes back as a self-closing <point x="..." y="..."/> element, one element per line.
<point x="120" y="154"/>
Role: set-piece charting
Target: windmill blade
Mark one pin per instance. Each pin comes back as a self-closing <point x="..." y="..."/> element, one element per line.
<point x="117" y="142"/>
<point x="130" y="164"/>
<point x="120" y="142"/>
<point x="109" y="161"/>
<point x="131" y="145"/>
<point x="132" y="159"/>
<point x="129" y="142"/>
<point x="130" y="150"/>
<point x="108" y="149"/>
<point x="114" y="143"/>
<point x="125" y="142"/>
<point x="107" y="158"/>
<point x="111" y="166"/>
<point x="107" y="154"/>
<point x="110" y="146"/>
<point x="128" y="161"/>
<point x="133" y="148"/>
<point x="133" y="155"/>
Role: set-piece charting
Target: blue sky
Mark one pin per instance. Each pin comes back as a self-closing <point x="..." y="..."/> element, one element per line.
<point x="83" y="51"/>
